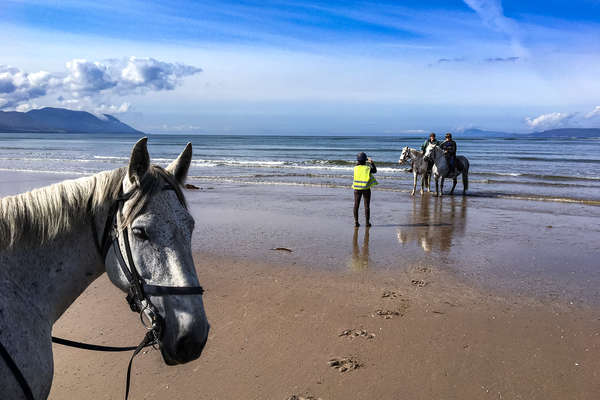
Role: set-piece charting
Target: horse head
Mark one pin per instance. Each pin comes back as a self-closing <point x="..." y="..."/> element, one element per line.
<point x="405" y="156"/>
<point x="154" y="229"/>
<point x="431" y="152"/>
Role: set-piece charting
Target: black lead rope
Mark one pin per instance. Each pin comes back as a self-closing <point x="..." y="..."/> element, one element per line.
<point x="148" y="340"/>
<point x="88" y="346"/>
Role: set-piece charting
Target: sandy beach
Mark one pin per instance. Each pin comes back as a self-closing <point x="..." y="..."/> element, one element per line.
<point x="275" y="328"/>
<point x="452" y="298"/>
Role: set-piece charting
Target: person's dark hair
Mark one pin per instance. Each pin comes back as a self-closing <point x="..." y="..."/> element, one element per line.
<point x="449" y="135"/>
<point x="432" y="135"/>
<point x="361" y="158"/>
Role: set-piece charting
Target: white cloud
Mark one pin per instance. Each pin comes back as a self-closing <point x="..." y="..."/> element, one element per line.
<point x="594" y="113"/>
<point x="91" y="84"/>
<point x="87" y="77"/>
<point x="550" y="120"/>
<point x="113" y="109"/>
<point x="18" y="86"/>
<point x="90" y="104"/>
<point x="124" y="76"/>
<point x="492" y="14"/>
<point x="26" y="107"/>
<point x="148" y="73"/>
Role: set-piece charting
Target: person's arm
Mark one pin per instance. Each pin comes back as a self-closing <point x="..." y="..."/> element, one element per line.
<point x="373" y="167"/>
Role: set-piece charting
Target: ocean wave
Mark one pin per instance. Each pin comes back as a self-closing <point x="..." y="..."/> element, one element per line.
<point x="501" y="195"/>
<point x="555" y="159"/>
<point x="41" y="171"/>
<point x="79" y="160"/>
<point x="538" y="176"/>
<point x="111" y="158"/>
<point x="532" y="183"/>
<point x="350" y="163"/>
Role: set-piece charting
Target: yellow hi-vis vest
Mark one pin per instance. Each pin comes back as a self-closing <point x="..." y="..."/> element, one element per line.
<point x="362" y="178"/>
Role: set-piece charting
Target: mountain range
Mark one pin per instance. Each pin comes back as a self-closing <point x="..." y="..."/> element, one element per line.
<point x="61" y="120"/>
<point x="551" y="133"/>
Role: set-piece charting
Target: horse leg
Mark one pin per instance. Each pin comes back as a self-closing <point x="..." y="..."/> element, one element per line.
<point x="422" y="184"/>
<point x="442" y="187"/>
<point x="465" y="180"/>
<point x="414" y="182"/>
<point x="454" y="181"/>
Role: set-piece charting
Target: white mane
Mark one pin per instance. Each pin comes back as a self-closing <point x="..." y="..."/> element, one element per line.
<point x="44" y="214"/>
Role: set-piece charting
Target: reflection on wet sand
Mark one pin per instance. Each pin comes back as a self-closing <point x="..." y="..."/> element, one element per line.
<point x="360" y="259"/>
<point x="434" y="222"/>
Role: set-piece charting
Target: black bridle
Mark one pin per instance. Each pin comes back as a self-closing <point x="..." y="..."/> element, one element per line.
<point x="137" y="296"/>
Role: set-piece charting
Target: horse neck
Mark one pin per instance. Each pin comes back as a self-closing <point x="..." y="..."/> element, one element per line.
<point x="52" y="275"/>
<point x="415" y="153"/>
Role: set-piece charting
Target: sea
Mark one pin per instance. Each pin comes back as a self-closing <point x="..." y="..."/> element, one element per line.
<point x="526" y="168"/>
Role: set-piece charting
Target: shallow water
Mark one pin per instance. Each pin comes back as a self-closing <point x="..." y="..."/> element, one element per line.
<point x="564" y="170"/>
<point x="544" y="249"/>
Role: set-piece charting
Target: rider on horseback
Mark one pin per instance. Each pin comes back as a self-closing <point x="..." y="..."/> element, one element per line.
<point x="449" y="147"/>
<point x="427" y="142"/>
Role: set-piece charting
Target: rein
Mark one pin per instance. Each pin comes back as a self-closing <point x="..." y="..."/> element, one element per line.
<point x="137" y="296"/>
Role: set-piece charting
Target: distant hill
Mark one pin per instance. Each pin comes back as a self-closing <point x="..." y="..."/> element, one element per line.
<point x="551" y="133"/>
<point x="570" y="132"/>
<point x="60" y="120"/>
<point x="482" y="133"/>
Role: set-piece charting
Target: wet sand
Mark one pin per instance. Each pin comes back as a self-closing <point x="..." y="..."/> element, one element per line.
<point x="466" y="298"/>
<point x="545" y="249"/>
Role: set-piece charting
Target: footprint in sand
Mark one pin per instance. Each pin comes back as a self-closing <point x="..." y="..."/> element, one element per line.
<point x="344" y="364"/>
<point x="390" y="294"/>
<point x="307" y="397"/>
<point x="399" y="311"/>
<point x="418" y="283"/>
<point x="354" y="333"/>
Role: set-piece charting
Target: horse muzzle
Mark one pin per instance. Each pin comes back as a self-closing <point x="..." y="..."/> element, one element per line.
<point x="185" y="348"/>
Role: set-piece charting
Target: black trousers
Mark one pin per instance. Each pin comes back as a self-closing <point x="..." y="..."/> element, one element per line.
<point x="367" y="195"/>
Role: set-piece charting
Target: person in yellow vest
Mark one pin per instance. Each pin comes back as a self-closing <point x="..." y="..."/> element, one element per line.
<point x="363" y="181"/>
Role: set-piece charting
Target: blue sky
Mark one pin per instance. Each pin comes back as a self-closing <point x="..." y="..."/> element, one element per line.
<point x="307" y="66"/>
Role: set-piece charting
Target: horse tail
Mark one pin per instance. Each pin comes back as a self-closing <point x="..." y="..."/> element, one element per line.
<point x="465" y="176"/>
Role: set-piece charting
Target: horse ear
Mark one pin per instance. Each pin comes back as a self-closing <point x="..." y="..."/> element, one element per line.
<point x="179" y="168"/>
<point x="139" y="161"/>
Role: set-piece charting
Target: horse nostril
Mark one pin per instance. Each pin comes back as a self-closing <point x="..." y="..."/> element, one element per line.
<point x="189" y="347"/>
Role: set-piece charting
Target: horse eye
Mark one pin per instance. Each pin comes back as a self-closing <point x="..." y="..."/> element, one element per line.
<point x="140" y="233"/>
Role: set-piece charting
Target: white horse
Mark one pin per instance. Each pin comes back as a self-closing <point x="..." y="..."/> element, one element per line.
<point x="419" y="167"/>
<point x="56" y="240"/>
<point x="441" y="169"/>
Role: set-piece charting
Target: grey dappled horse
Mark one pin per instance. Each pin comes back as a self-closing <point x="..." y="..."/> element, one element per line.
<point x="441" y="169"/>
<point x="50" y="252"/>
<point x="419" y="167"/>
